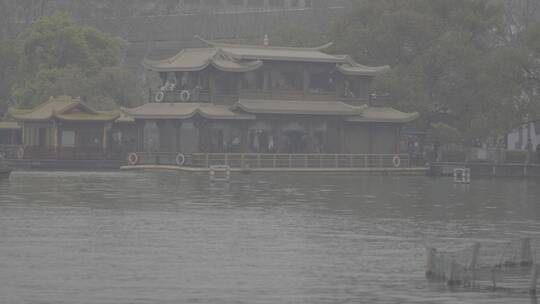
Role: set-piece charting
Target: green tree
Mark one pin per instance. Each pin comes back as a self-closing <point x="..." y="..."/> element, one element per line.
<point x="8" y="73"/>
<point x="58" y="56"/>
<point x="449" y="58"/>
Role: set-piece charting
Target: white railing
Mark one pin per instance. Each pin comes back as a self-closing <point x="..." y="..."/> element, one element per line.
<point x="241" y="160"/>
<point x="259" y="160"/>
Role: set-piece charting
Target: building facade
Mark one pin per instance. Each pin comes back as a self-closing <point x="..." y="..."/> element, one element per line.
<point x="228" y="98"/>
<point x="66" y="128"/>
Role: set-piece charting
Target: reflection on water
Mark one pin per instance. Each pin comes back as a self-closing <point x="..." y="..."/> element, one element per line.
<point x="177" y="238"/>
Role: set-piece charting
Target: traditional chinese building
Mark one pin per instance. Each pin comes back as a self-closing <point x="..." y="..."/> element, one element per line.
<point x="265" y="99"/>
<point x="10" y="133"/>
<point x="67" y="128"/>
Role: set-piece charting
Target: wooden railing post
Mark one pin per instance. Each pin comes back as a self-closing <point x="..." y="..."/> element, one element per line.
<point x="207" y="161"/>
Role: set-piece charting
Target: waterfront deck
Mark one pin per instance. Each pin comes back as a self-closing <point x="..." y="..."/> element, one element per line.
<point x="487" y="169"/>
<point x="273" y="163"/>
<point x="374" y="171"/>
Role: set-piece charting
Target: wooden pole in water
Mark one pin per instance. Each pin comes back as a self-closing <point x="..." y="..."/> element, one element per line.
<point x="474" y="261"/>
<point x="474" y="258"/>
<point x="534" y="279"/>
<point x="430" y="256"/>
<point x="451" y="279"/>
<point x="526" y="252"/>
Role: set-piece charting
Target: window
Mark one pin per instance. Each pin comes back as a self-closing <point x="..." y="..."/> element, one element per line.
<point x="68" y="139"/>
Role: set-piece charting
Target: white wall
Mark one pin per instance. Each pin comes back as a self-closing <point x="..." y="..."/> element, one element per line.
<point x="517" y="140"/>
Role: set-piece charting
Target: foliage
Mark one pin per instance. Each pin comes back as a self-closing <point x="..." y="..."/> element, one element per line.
<point x="449" y="58"/>
<point x="515" y="156"/>
<point x="285" y="34"/>
<point x="58" y="56"/>
<point x="443" y="133"/>
<point x="8" y="71"/>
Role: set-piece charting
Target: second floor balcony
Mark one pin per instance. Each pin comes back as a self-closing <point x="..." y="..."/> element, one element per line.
<point x="205" y="96"/>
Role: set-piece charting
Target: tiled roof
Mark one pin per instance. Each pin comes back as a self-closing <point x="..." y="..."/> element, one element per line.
<point x="9" y="125"/>
<point x="356" y="69"/>
<point x="244" y="58"/>
<point x="384" y="114"/>
<point x="64" y="108"/>
<point x="297" y="107"/>
<point x="197" y="59"/>
<point x="185" y="111"/>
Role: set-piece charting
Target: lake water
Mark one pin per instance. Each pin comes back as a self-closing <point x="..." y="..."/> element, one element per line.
<point x="178" y="238"/>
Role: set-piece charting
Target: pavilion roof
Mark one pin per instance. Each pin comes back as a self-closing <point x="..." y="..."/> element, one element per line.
<point x="197" y="59"/>
<point x="9" y="125"/>
<point x="245" y="58"/>
<point x="185" y="111"/>
<point x="63" y="108"/>
<point x="384" y="115"/>
<point x="297" y="107"/>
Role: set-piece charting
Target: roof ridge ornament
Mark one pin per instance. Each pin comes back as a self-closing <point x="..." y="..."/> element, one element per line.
<point x="266" y="43"/>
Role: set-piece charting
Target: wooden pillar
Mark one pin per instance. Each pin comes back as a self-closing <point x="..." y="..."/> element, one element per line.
<point x="104" y="142"/>
<point x="55" y="135"/>
<point x="266" y="80"/>
<point x="23" y="136"/>
<point x="341" y="138"/>
<point x="178" y="137"/>
<point x="140" y="136"/>
<point x="398" y="139"/>
<point x="211" y="85"/>
<point x="244" y="145"/>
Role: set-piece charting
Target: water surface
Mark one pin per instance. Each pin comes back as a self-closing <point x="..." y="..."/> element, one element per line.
<point x="69" y="237"/>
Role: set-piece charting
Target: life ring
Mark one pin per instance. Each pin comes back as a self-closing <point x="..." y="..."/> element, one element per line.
<point x="185" y="95"/>
<point x="397" y="161"/>
<point x="20" y="153"/>
<point x="133" y="159"/>
<point x="180" y="159"/>
<point x="160" y="96"/>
